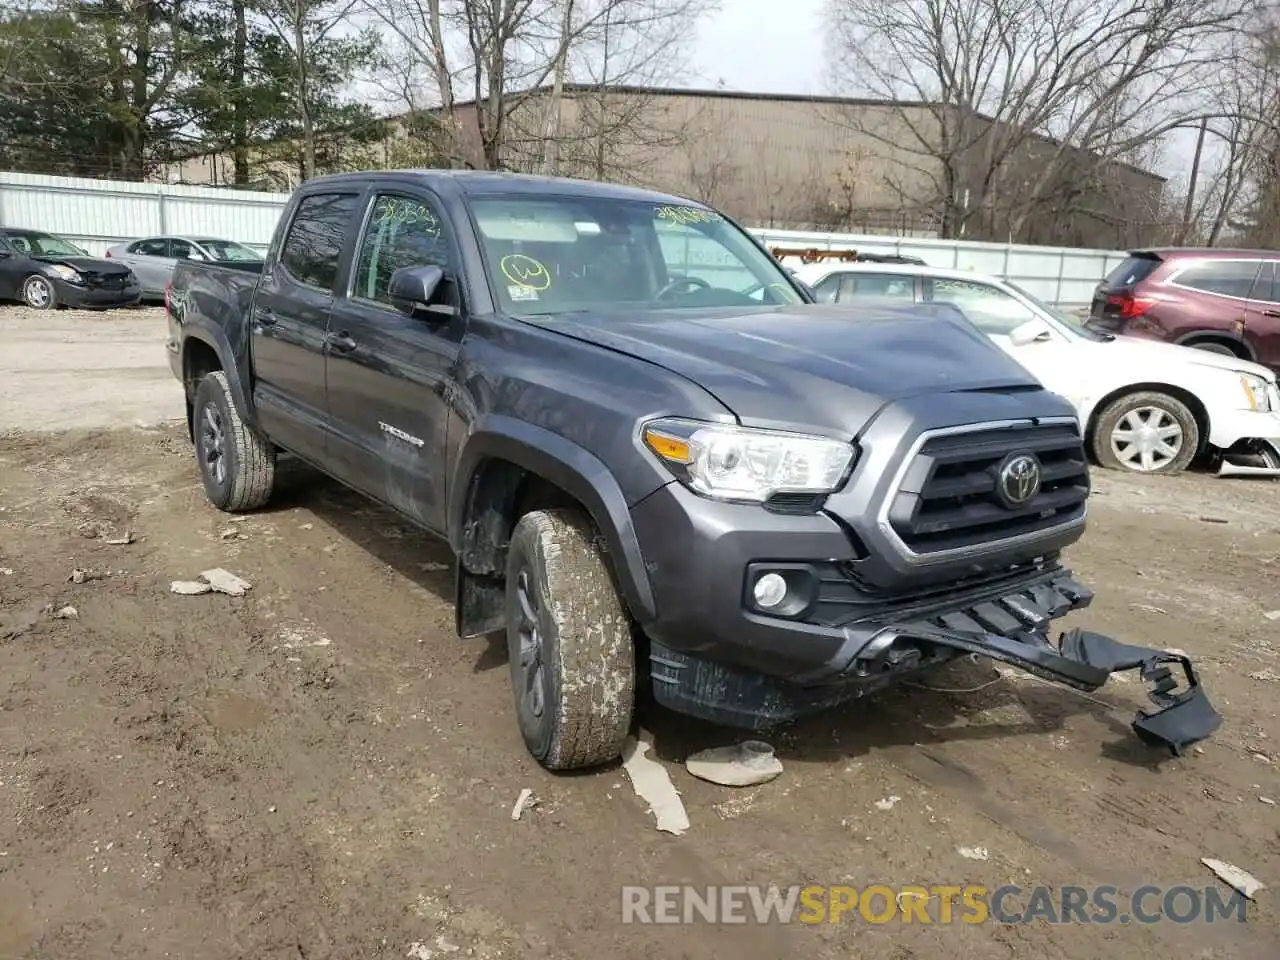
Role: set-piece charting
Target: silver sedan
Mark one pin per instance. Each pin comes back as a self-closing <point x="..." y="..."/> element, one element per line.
<point x="152" y="259"/>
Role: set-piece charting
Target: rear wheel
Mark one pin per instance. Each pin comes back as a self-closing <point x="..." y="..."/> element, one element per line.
<point x="1146" y="432"/>
<point x="237" y="467"/>
<point x="1215" y="346"/>
<point x="569" y="640"/>
<point x="38" y="293"/>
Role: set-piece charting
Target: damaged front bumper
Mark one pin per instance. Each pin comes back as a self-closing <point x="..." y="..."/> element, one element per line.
<point x="1012" y="628"/>
<point x="1252" y="458"/>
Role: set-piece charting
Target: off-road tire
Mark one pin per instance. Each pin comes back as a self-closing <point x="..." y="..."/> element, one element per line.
<point x="250" y="462"/>
<point x="588" y="674"/>
<point x="51" y="303"/>
<point x="1111" y="415"/>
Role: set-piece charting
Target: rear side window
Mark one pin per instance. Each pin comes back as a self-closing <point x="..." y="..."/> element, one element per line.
<point x="878" y="285"/>
<point x="1268" y="287"/>
<point x="151" y="248"/>
<point x="1233" y="278"/>
<point x="1132" y="270"/>
<point x="314" y="243"/>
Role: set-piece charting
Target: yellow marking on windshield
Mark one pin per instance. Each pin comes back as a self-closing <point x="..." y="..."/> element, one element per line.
<point x="524" y="271"/>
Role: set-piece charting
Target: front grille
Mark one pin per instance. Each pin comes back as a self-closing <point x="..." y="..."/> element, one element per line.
<point x="844" y="597"/>
<point x="110" y="281"/>
<point x="952" y="496"/>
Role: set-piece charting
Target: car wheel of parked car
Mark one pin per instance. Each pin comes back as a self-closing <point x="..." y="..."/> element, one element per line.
<point x="1146" y="432"/>
<point x="1215" y="346"/>
<point x="570" y="643"/>
<point x="237" y="467"/>
<point x="38" y="293"/>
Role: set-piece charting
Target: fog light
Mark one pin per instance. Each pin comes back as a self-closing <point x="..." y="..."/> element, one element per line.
<point x="769" y="591"/>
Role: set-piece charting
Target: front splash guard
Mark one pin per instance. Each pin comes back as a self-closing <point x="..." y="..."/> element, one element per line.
<point x="1082" y="660"/>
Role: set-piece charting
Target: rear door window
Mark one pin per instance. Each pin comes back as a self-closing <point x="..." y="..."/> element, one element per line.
<point x="1267" y="289"/>
<point x="155" y="247"/>
<point x="881" y="285"/>
<point x="313" y="246"/>
<point x="1132" y="270"/>
<point x="1231" y="278"/>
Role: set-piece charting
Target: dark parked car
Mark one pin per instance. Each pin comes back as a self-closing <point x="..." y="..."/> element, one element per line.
<point x="1227" y="301"/>
<point x="659" y="464"/>
<point x="45" y="271"/>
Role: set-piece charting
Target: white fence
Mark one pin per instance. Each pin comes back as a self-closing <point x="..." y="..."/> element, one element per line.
<point x="97" y="214"/>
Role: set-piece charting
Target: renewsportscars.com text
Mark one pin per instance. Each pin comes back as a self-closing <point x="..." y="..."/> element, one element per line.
<point x="935" y="904"/>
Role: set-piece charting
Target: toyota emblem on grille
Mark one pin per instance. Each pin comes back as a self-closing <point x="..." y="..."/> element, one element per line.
<point x="1019" y="479"/>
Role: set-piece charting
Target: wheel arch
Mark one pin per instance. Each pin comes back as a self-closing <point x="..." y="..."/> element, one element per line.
<point x="509" y="467"/>
<point x="1192" y="402"/>
<point x="204" y="350"/>
<point x="1238" y="342"/>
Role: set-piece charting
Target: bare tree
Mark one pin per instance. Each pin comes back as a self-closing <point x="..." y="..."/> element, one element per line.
<point x="996" y="98"/>
<point x="304" y="28"/>
<point x="622" y="124"/>
<point x="1238" y="143"/>
<point x="503" y="53"/>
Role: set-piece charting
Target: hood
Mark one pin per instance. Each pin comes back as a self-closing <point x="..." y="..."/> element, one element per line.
<point x="97" y="265"/>
<point x="825" y="366"/>
<point x="1153" y="351"/>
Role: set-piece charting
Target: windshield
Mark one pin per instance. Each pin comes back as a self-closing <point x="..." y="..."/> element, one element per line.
<point x="230" y="250"/>
<point x="553" y="255"/>
<point x="44" y="245"/>
<point x="1073" y="322"/>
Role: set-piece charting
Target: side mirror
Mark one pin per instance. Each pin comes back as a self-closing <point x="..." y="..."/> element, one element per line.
<point x="415" y="286"/>
<point x="1029" y="332"/>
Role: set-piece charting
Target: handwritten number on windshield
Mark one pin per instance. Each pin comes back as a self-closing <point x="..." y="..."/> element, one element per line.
<point x="686" y="215"/>
<point x="408" y="213"/>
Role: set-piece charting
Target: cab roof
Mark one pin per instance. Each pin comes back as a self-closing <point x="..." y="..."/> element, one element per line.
<point x="481" y="183"/>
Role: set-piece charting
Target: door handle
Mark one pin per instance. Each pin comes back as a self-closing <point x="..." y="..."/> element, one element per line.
<point x="1271" y="313"/>
<point x="340" y="342"/>
<point x="264" y="317"/>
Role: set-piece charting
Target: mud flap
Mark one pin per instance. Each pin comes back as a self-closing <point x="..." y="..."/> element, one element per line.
<point x="1085" y="660"/>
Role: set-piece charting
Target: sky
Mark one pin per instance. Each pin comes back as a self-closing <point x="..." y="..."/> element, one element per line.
<point x="767" y="46"/>
<point x="763" y="46"/>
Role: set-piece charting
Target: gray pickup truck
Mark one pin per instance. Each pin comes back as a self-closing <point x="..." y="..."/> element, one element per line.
<point x="660" y="465"/>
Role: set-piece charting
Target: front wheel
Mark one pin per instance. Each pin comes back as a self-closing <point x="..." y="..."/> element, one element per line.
<point x="1146" y="432"/>
<point x="569" y="640"/>
<point x="38" y="293"/>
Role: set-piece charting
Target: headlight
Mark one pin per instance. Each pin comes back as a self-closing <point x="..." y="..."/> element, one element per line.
<point x="739" y="463"/>
<point x="1258" y="392"/>
<point x="69" y="274"/>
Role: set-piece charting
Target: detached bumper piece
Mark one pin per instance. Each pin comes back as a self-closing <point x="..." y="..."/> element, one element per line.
<point x="1011" y="626"/>
<point x="1085" y="660"/>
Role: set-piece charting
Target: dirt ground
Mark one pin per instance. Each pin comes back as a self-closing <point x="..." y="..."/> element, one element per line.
<point x="320" y="770"/>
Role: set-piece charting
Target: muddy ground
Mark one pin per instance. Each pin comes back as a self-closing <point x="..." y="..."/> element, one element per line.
<point x="320" y="769"/>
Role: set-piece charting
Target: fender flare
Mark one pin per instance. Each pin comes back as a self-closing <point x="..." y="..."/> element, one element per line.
<point x="216" y="338"/>
<point x="570" y="467"/>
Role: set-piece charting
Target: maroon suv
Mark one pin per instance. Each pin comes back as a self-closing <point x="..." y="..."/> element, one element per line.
<point x="1227" y="301"/>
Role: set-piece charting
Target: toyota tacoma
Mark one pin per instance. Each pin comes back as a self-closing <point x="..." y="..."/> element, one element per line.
<point x="659" y="463"/>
